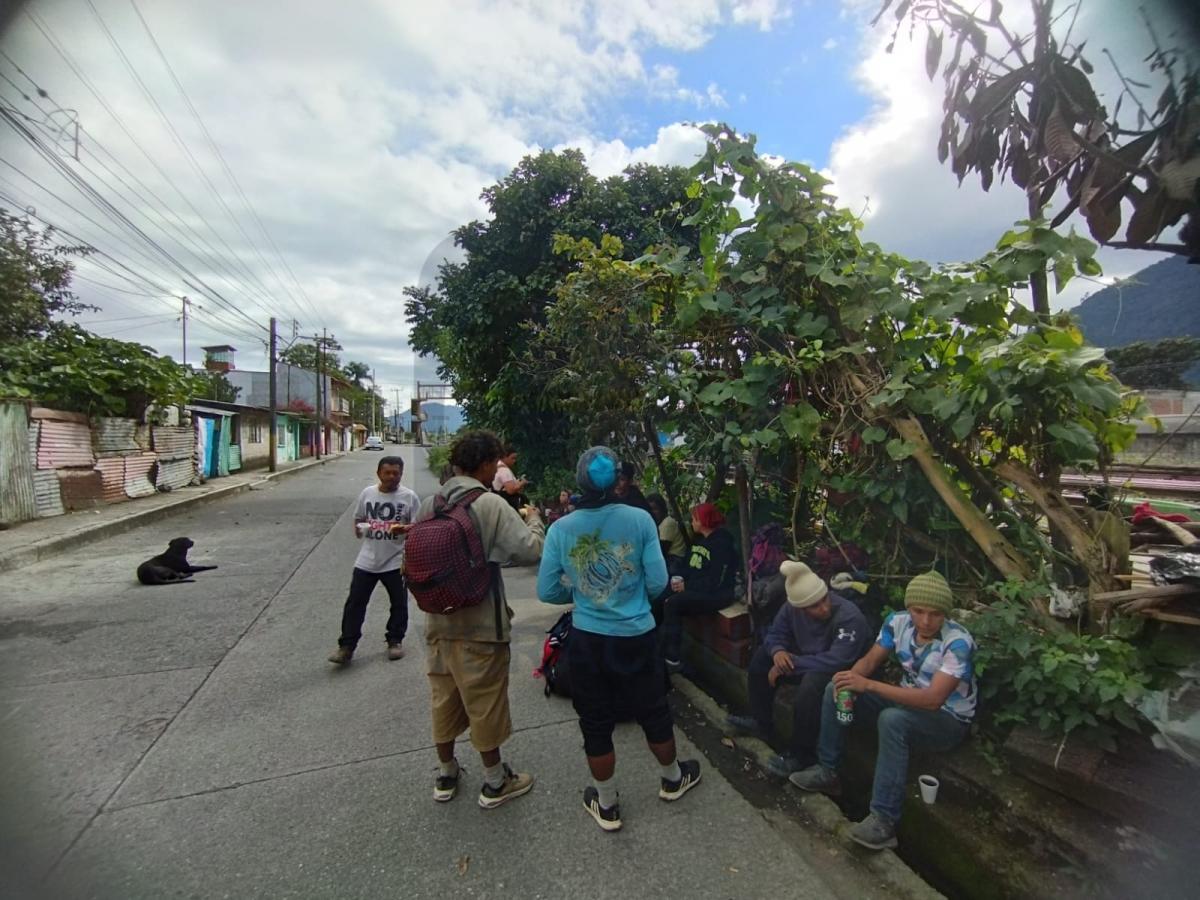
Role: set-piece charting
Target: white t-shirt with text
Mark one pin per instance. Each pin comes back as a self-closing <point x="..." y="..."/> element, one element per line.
<point x="380" y="550"/>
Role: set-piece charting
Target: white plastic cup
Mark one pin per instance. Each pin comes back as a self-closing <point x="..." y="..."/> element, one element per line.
<point x="677" y="583"/>
<point x="929" y="788"/>
<point x="364" y="528"/>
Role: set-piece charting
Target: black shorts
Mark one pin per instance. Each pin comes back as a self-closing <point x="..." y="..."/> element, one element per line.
<point x="613" y="677"/>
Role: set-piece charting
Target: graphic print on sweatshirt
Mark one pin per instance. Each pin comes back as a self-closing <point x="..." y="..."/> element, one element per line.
<point x="600" y="566"/>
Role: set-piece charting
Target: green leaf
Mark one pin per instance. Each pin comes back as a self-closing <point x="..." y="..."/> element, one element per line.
<point x="962" y="425"/>
<point x="715" y="393"/>
<point x="898" y="449"/>
<point x="801" y="422"/>
<point x="874" y="435"/>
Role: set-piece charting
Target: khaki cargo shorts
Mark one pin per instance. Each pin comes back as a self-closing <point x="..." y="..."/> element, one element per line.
<point x="469" y="682"/>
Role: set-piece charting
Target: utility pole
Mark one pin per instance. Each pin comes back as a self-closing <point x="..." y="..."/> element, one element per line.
<point x="183" y="303"/>
<point x="396" y="414"/>
<point x="320" y="342"/>
<point x="272" y="436"/>
<point x="373" y="402"/>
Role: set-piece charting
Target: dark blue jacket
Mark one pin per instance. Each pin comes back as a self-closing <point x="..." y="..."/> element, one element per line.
<point x="830" y="646"/>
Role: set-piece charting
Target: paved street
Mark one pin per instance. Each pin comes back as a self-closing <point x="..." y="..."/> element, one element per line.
<point x="192" y="741"/>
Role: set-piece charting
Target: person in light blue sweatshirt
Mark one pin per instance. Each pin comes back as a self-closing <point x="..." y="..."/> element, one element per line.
<point x="605" y="558"/>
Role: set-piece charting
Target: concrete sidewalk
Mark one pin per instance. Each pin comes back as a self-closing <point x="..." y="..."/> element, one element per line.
<point x="28" y="542"/>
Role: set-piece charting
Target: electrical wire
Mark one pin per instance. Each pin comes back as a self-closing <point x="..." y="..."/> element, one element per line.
<point x="48" y="33"/>
<point x="133" y="277"/>
<point x="112" y="212"/>
<point x="228" y="170"/>
<point x="216" y="261"/>
<point x="183" y="146"/>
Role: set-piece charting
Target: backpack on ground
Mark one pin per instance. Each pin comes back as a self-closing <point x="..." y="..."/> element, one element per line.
<point x="444" y="562"/>
<point x="554" y="669"/>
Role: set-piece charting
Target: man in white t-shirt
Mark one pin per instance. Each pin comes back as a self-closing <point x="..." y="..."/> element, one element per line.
<point x="382" y="518"/>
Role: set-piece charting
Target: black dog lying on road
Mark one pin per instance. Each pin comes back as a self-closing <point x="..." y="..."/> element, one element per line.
<point x="171" y="567"/>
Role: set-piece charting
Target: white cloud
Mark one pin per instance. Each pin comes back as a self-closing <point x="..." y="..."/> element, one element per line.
<point x="362" y="139"/>
<point x="674" y="145"/>
<point x="830" y="44"/>
<point x="764" y="13"/>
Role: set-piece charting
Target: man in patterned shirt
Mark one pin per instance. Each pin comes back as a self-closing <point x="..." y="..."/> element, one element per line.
<point x="931" y="709"/>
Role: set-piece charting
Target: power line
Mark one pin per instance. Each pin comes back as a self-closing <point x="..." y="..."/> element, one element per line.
<point x="65" y="55"/>
<point x="103" y="204"/>
<point x="228" y="170"/>
<point x="232" y="279"/>
<point x="123" y="271"/>
<point x="166" y="120"/>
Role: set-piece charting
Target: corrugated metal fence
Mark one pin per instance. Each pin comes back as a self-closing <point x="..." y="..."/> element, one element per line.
<point x="17" y="501"/>
<point x="175" y="446"/>
<point x="53" y="461"/>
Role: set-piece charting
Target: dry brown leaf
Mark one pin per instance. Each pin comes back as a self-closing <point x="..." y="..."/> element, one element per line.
<point x="728" y="742"/>
<point x="464" y="863"/>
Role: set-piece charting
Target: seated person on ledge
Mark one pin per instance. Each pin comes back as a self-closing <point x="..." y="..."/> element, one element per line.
<point x="930" y="710"/>
<point x="814" y="634"/>
<point x="708" y="582"/>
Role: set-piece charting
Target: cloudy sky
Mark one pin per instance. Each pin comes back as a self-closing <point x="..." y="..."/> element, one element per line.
<point x="309" y="163"/>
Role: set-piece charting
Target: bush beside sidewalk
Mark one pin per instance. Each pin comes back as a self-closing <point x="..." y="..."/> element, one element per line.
<point x="995" y="831"/>
<point x="28" y="542"/>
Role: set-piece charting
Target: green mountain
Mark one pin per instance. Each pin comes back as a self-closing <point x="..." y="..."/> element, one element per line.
<point x="1160" y="301"/>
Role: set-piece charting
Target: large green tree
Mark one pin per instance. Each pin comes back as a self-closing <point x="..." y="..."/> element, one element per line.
<point x="304" y="356"/>
<point x="35" y="280"/>
<point x="480" y="317"/>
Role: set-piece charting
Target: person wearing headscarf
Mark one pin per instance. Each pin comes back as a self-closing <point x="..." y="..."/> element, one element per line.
<point x="605" y="558"/>
<point x="708" y="582"/>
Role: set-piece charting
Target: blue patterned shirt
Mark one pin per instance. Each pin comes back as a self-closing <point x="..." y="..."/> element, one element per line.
<point x="952" y="652"/>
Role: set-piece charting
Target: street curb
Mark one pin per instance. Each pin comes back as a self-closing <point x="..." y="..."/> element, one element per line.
<point x="43" y="549"/>
<point x="885" y="865"/>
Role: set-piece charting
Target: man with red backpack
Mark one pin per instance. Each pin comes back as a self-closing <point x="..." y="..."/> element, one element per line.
<point x="453" y="563"/>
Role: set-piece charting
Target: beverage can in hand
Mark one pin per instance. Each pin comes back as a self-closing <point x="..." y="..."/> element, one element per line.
<point x="843" y="703"/>
<point x="677" y="582"/>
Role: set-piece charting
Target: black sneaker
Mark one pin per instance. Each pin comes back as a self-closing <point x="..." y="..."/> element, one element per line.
<point x="446" y="786"/>
<point x="608" y="819"/>
<point x="689" y="777"/>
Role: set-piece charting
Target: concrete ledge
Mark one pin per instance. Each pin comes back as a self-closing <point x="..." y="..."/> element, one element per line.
<point x="76" y="529"/>
<point x="886" y="866"/>
<point x="993" y="832"/>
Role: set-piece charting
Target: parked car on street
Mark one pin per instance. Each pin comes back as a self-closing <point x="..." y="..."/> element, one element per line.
<point x="374" y="442"/>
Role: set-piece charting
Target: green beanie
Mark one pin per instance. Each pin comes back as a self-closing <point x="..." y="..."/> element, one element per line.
<point x="931" y="591"/>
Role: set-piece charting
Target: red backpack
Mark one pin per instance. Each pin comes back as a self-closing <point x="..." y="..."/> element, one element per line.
<point x="444" y="562"/>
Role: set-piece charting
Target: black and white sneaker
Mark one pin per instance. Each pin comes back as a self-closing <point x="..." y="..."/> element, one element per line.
<point x="608" y="819"/>
<point x="446" y="786"/>
<point x="689" y="777"/>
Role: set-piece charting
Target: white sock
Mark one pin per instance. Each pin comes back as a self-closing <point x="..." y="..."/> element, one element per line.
<point x="607" y="791"/>
<point x="671" y="773"/>
<point x="448" y="769"/>
<point x="494" y="775"/>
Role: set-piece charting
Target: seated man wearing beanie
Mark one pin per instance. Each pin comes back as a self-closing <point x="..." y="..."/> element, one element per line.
<point x="931" y="709"/>
<point x="814" y="634"/>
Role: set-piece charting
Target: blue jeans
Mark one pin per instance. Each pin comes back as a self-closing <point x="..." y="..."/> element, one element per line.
<point x="901" y="728"/>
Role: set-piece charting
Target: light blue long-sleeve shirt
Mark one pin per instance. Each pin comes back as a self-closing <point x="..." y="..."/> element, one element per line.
<point x="607" y="561"/>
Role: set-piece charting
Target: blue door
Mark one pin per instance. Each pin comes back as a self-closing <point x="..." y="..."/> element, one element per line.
<point x="212" y="453"/>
